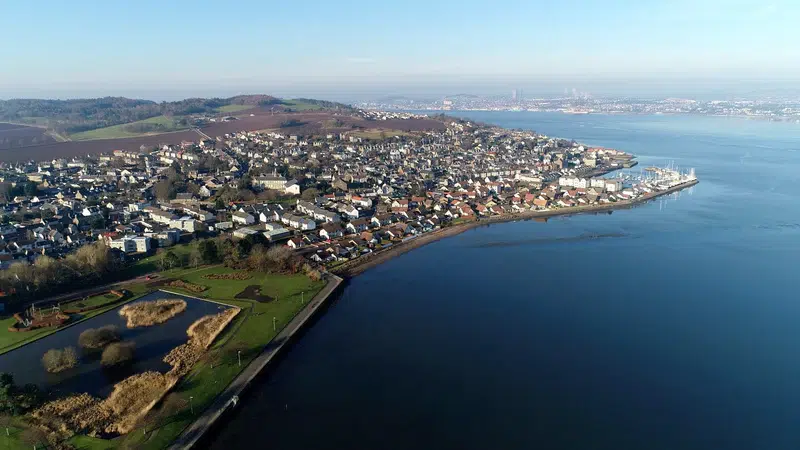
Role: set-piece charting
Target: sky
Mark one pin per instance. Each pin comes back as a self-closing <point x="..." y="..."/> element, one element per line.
<point x="169" y="49"/>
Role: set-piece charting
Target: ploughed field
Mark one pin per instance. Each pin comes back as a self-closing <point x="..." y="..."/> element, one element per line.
<point x="82" y="148"/>
<point x="317" y="122"/>
<point x="13" y="136"/>
<point x="152" y="343"/>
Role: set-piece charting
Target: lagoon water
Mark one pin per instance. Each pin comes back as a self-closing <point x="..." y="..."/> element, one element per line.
<point x="152" y="344"/>
<point x="673" y="325"/>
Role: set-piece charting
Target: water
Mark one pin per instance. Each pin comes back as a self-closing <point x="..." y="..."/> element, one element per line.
<point x="674" y="325"/>
<point x="152" y="344"/>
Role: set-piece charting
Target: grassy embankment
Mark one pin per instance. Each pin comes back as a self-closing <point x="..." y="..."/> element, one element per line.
<point x="168" y="124"/>
<point x="248" y="333"/>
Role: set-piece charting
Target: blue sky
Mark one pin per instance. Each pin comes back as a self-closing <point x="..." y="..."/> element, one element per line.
<point x="59" y="48"/>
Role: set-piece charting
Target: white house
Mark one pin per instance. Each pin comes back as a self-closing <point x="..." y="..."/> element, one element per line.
<point x="270" y="182"/>
<point x="301" y="223"/>
<point x="132" y="244"/>
<point x="243" y="218"/>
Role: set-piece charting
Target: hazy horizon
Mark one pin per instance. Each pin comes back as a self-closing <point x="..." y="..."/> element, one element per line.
<point x="358" y="50"/>
<point x="426" y="88"/>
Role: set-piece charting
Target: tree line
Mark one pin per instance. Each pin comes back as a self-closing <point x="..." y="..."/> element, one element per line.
<point x="96" y="263"/>
<point x="89" y="264"/>
<point x="252" y="253"/>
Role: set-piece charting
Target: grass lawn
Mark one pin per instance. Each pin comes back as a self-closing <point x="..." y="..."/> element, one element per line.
<point x="249" y="333"/>
<point x="233" y="108"/>
<point x="88" y="302"/>
<point x="120" y="131"/>
<point x="150" y="263"/>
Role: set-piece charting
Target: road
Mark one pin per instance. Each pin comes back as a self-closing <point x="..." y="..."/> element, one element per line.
<point x="194" y="432"/>
<point x="205" y="136"/>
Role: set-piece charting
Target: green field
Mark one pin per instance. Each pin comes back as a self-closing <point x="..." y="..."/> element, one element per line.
<point x="248" y="333"/>
<point x="150" y="263"/>
<point x="379" y="134"/>
<point x="120" y="131"/>
<point x="299" y="105"/>
<point x="233" y="108"/>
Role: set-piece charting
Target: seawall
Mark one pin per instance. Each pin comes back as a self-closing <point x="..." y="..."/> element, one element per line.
<point x="227" y="400"/>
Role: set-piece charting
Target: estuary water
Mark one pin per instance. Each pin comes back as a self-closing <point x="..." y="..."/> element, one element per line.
<point x="673" y="325"/>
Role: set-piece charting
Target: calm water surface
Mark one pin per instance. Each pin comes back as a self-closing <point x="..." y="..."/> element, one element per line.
<point x="152" y="344"/>
<point x="675" y="325"/>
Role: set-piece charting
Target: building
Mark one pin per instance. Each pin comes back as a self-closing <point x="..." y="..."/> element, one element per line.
<point x="132" y="244"/>
<point x="243" y="233"/>
<point x="243" y="218"/>
<point x="276" y="234"/>
<point x="271" y="182"/>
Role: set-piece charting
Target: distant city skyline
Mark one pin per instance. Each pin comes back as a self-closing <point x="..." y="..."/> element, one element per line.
<point x="358" y="50"/>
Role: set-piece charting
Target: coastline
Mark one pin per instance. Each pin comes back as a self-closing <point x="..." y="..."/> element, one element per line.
<point x="363" y="263"/>
<point x="228" y="398"/>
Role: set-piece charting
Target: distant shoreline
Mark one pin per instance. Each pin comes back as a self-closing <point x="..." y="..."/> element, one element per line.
<point x="363" y="263"/>
<point x="791" y="120"/>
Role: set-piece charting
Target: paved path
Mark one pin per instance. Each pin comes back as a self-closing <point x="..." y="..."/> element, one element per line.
<point x="192" y="434"/>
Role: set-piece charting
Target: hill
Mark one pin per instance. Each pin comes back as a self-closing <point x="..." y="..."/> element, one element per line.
<point x="123" y="117"/>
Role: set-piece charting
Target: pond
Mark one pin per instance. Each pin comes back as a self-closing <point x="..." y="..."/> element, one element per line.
<point x="152" y="344"/>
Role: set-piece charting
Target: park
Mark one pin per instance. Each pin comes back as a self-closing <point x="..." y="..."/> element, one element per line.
<point x="197" y="329"/>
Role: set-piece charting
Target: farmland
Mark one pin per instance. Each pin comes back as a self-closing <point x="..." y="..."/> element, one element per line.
<point x="83" y="148"/>
<point x="313" y="122"/>
<point x="14" y="136"/>
<point x="147" y="127"/>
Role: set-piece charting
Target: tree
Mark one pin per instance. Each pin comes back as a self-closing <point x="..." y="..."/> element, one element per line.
<point x="258" y="260"/>
<point x="57" y="360"/>
<point x="169" y="260"/>
<point x="208" y="251"/>
<point x="17" y="400"/>
<point x="31" y="189"/>
<point x="165" y="190"/>
<point x="310" y="194"/>
<point x="118" y="353"/>
<point x="94" y="338"/>
<point x="98" y="223"/>
<point x="195" y="257"/>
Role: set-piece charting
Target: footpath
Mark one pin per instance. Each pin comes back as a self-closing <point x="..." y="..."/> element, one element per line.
<point x="229" y="397"/>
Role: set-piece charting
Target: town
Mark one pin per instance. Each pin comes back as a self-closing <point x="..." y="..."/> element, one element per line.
<point x="576" y="102"/>
<point x="331" y="198"/>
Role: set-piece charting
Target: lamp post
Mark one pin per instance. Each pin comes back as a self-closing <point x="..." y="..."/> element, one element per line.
<point x="274" y="324"/>
<point x="191" y="404"/>
<point x="239" y="354"/>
